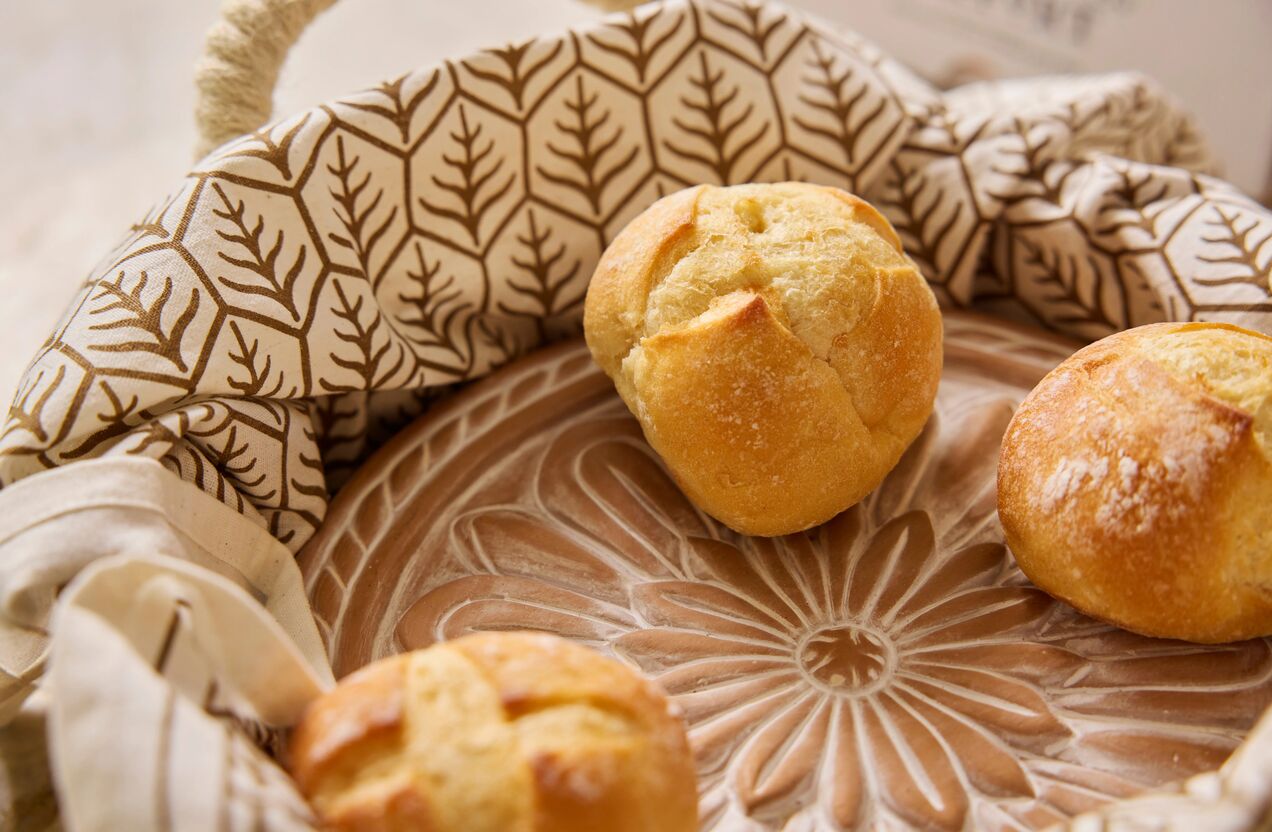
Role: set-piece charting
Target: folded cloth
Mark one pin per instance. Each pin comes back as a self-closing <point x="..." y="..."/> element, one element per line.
<point x="182" y="646"/>
<point x="181" y="711"/>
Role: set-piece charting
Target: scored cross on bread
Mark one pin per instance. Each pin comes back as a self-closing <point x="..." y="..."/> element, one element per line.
<point x="779" y="349"/>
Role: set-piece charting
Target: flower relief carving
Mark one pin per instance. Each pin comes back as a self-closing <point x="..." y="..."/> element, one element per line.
<point x="890" y="669"/>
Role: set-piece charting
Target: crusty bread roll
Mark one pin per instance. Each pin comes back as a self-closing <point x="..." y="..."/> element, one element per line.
<point x="503" y="732"/>
<point x="776" y="344"/>
<point x="1136" y="482"/>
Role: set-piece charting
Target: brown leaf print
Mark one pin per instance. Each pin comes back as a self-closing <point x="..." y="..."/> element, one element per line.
<point x="1244" y="251"/>
<point x="478" y="186"/>
<point x="257" y="374"/>
<point x="938" y="119"/>
<point x="260" y="789"/>
<point x="27" y="414"/>
<point x="751" y="24"/>
<point x="363" y="229"/>
<point x="838" y="105"/>
<point x="519" y="73"/>
<point x="719" y="123"/>
<point x="432" y="317"/>
<point x="309" y="483"/>
<point x="592" y="174"/>
<point x="116" y="422"/>
<point x="1040" y="167"/>
<point x="268" y="738"/>
<point x="373" y="344"/>
<point x="548" y="279"/>
<point x="1081" y="123"/>
<point x="234" y="460"/>
<point x="397" y="110"/>
<point x="159" y="432"/>
<point x="277" y="521"/>
<point x="340" y="423"/>
<point x="261" y="262"/>
<point x="152" y="224"/>
<point x="135" y="313"/>
<point x="1132" y="202"/>
<point x="276" y="153"/>
<point x="501" y="340"/>
<point x="925" y="216"/>
<point x="203" y="473"/>
<point x="222" y="442"/>
<point x="645" y="41"/>
<point x="1069" y="284"/>
<point x="388" y="411"/>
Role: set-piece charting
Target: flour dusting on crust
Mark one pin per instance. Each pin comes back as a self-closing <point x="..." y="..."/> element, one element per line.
<point x="1069" y="476"/>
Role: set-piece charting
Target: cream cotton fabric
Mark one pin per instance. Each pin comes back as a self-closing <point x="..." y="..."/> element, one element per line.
<point x="181" y="650"/>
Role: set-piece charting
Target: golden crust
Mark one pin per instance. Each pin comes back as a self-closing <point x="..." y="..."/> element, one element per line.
<point x="614" y="308"/>
<point x="364" y="710"/>
<point x="788" y="448"/>
<point x="1135" y="484"/>
<point x="510" y="731"/>
<point x="867" y="213"/>
<point x="778" y="348"/>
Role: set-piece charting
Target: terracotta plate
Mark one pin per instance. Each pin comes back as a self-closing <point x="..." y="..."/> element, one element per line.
<point x="891" y="669"/>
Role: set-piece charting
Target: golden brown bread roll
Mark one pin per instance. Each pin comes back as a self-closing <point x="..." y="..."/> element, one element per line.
<point x="501" y="732"/>
<point x="1136" y="482"/>
<point x="776" y="344"/>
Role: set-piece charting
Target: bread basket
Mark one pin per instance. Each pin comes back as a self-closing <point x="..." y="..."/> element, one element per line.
<point x="316" y="283"/>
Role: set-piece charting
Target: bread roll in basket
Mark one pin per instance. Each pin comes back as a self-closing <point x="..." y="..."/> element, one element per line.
<point x="497" y="732"/>
<point x="1136" y="481"/>
<point x="778" y="347"/>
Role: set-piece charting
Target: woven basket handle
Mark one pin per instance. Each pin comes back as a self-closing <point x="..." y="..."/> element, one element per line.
<point x="242" y="56"/>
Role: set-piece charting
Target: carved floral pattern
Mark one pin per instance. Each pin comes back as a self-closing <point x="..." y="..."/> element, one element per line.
<point x="890" y="669"/>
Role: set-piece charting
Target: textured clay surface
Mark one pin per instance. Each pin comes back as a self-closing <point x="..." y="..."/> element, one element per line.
<point x="891" y="669"/>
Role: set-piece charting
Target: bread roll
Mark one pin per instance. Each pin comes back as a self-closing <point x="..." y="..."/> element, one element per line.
<point x="1136" y="482"/>
<point x="776" y="344"/>
<point x="506" y="732"/>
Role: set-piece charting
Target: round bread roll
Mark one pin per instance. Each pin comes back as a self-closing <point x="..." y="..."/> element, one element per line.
<point x="1135" y="482"/>
<point x="501" y="732"/>
<point x="776" y="344"/>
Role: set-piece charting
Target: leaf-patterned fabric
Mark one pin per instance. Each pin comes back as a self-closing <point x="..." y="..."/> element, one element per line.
<point x="313" y="285"/>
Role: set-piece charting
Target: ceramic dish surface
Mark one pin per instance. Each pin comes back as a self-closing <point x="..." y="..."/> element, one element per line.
<point x="891" y="669"/>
